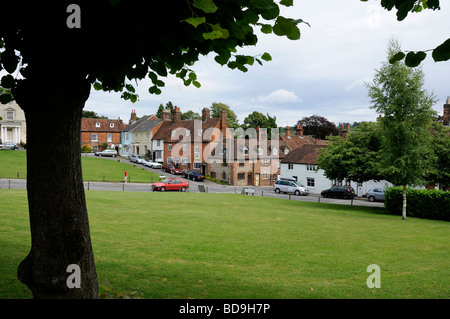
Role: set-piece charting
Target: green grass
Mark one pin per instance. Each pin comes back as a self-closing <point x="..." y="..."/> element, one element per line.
<point x="13" y="165"/>
<point x="196" y="245"/>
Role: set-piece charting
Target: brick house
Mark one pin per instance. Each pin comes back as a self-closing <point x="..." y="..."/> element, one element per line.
<point x="185" y="142"/>
<point x="95" y="132"/>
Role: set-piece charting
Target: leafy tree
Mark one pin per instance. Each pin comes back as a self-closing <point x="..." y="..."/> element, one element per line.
<point x="318" y="126"/>
<point x="190" y="115"/>
<point x="355" y="158"/>
<point x="217" y="108"/>
<point x="54" y="52"/>
<point x="160" y="111"/>
<point x="440" y="145"/>
<point x="397" y="93"/>
<point x="92" y="115"/>
<point x="256" y="119"/>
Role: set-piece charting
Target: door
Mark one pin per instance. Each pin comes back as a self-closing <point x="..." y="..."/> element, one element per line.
<point x="256" y="179"/>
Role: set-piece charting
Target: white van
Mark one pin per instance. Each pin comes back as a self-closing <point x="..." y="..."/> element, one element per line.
<point x="290" y="185"/>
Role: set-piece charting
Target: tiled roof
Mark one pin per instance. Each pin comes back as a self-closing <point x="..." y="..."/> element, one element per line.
<point x="89" y="125"/>
<point x="165" y="131"/>
<point x="147" y="125"/>
<point x="295" y="141"/>
<point x="306" y="154"/>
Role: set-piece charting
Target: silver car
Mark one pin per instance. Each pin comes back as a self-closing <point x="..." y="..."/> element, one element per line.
<point x="137" y="159"/>
<point x="375" y="194"/>
<point x="288" y="186"/>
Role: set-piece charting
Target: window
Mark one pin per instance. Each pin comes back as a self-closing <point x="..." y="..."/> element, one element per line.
<point x="173" y="133"/>
<point x="158" y="142"/>
<point x="145" y="149"/>
<point x="241" y="164"/>
<point x="109" y="137"/>
<point x="169" y="147"/>
<point x="184" y="161"/>
<point x="260" y="151"/>
<point x="265" y="176"/>
<point x="274" y="151"/>
<point x="184" y="147"/>
<point x="310" y="182"/>
<point x="148" y="135"/>
<point x="213" y="174"/>
<point x="94" y="137"/>
<point x="196" y="149"/>
<point x="111" y="124"/>
<point x="188" y="132"/>
<point x="197" y="165"/>
<point x="224" y="175"/>
<point x="245" y="150"/>
<point x="310" y="167"/>
<point x="126" y="136"/>
<point x="286" y="151"/>
<point x="265" y="162"/>
<point x="290" y="166"/>
<point x="177" y="160"/>
<point x="241" y="176"/>
<point x="137" y="136"/>
<point x="170" y="160"/>
<point x="199" y="132"/>
<point x="10" y="116"/>
<point x="97" y="124"/>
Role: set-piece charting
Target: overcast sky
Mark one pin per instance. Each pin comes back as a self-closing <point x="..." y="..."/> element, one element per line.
<point x="323" y="73"/>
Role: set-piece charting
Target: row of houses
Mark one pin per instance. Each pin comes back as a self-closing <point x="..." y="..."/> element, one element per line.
<point x="211" y="147"/>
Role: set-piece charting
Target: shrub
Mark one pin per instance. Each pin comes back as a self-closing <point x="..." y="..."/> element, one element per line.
<point x="422" y="203"/>
<point x="86" y="149"/>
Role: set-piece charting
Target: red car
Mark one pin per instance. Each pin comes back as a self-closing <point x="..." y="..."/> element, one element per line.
<point x="170" y="184"/>
<point x="170" y="168"/>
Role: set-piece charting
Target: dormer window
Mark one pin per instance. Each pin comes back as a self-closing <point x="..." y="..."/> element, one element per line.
<point x="97" y="124"/>
<point x="274" y="151"/>
<point x="188" y="132"/>
<point x="245" y="150"/>
<point x="111" y="124"/>
<point x="286" y="151"/>
<point x="260" y="151"/>
<point x="173" y="133"/>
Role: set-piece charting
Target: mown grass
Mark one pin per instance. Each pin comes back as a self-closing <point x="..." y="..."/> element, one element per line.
<point x="196" y="245"/>
<point x="13" y="165"/>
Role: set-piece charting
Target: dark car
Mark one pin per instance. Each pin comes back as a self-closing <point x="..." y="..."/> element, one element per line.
<point x="196" y="176"/>
<point x="170" y="168"/>
<point x="339" y="191"/>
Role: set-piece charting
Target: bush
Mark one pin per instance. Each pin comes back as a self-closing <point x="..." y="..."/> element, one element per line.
<point x="86" y="149"/>
<point x="422" y="203"/>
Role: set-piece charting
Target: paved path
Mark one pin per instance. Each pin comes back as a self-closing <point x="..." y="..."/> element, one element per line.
<point x="210" y="187"/>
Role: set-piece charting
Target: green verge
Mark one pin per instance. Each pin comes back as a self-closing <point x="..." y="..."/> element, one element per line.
<point x="197" y="245"/>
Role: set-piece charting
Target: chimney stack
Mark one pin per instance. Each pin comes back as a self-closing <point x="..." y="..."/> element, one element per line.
<point x="133" y="116"/>
<point x="446" y="115"/>
<point x="288" y="131"/>
<point x="206" y="114"/>
<point x="299" y="130"/>
<point x="176" y="114"/>
<point x="166" y="115"/>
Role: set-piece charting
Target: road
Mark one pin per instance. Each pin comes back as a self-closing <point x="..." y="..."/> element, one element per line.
<point x="209" y="187"/>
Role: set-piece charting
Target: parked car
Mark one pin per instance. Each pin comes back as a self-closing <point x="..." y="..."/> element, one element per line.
<point x="375" y="194"/>
<point x="346" y="192"/>
<point x="170" y="168"/>
<point x="170" y="184"/>
<point x="137" y="159"/>
<point x="290" y="186"/>
<point x="196" y="176"/>
<point x="185" y="173"/>
<point x="152" y="164"/>
<point x="112" y="153"/>
<point x="9" y="146"/>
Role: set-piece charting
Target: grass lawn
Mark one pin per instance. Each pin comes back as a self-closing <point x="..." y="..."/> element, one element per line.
<point x="13" y="163"/>
<point x="179" y="245"/>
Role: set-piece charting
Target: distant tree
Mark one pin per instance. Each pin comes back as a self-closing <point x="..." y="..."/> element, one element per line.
<point x="160" y="111"/>
<point x="440" y="145"/>
<point x="256" y="119"/>
<point x="397" y="93"/>
<point x="318" y="126"/>
<point x="232" y="119"/>
<point x="92" y="115"/>
<point x="190" y="115"/>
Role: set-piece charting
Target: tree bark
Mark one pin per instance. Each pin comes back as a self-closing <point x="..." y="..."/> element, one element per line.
<point x="404" y="203"/>
<point x="59" y="225"/>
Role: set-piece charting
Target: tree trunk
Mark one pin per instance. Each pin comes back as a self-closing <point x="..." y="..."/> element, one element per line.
<point x="59" y="224"/>
<point x="404" y="203"/>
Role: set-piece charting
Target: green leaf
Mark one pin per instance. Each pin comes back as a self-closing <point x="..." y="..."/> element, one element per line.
<point x="286" y="27"/>
<point x="413" y="59"/>
<point x="6" y="98"/>
<point x="195" y="21"/>
<point x="130" y="88"/>
<point x="266" y="28"/>
<point x="192" y="76"/>
<point x="98" y="86"/>
<point x="442" y="52"/>
<point x="207" y="6"/>
<point x="266" y="57"/>
<point x="154" y="90"/>
<point x="196" y="84"/>
<point x="397" y="57"/>
<point x="287" y="3"/>
<point x="217" y="33"/>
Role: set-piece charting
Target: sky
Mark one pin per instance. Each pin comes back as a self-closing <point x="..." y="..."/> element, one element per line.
<point x="323" y="73"/>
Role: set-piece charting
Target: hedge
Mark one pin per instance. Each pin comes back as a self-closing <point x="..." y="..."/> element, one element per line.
<point x="422" y="203"/>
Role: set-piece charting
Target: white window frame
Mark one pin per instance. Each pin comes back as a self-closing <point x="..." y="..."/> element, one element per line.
<point x="169" y="147"/>
<point x="92" y="137"/>
<point x="109" y="137"/>
<point x="97" y="124"/>
<point x="111" y="125"/>
<point x="310" y="182"/>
